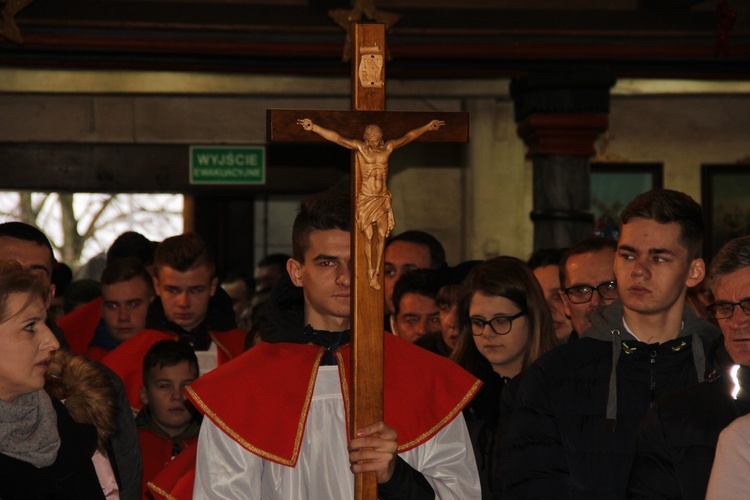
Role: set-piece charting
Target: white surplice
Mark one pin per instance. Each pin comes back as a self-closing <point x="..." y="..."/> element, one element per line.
<point x="226" y="470"/>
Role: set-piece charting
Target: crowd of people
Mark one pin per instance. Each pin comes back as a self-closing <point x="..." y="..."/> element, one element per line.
<point x="609" y="369"/>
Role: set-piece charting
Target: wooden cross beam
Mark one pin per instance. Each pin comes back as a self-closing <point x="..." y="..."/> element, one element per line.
<point x="347" y="128"/>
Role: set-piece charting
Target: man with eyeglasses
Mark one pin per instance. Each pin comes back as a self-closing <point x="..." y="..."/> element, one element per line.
<point x="587" y="274"/>
<point x="678" y="438"/>
<point x="572" y="433"/>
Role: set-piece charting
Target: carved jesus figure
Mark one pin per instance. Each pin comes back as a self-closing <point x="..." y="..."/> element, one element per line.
<point x="373" y="206"/>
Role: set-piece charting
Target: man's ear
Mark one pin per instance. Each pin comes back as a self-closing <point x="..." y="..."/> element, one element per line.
<point x="156" y="285"/>
<point x="143" y="395"/>
<point x="294" y="268"/>
<point x="214" y="284"/>
<point x="697" y="273"/>
<point x="565" y="303"/>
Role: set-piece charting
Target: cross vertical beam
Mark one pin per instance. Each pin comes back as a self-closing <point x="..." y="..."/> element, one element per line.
<point x="340" y="127"/>
<point x="367" y="303"/>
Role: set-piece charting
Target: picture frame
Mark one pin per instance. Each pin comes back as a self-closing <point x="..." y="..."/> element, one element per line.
<point x="614" y="185"/>
<point x="725" y="196"/>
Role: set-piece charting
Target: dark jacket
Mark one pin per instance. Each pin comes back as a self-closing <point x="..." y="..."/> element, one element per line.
<point x="677" y="439"/>
<point x="482" y="416"/>
<point x="572" y="433"/>
<point x="71" y="476"/>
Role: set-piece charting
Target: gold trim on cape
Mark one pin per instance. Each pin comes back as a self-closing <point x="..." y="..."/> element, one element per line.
<point x="290" y="462"/>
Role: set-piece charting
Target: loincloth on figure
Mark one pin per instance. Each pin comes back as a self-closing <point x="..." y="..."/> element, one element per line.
<point x="370" y="208"/>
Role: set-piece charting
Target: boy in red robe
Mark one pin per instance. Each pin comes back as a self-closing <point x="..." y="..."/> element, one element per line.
<point x="166" y="424"/>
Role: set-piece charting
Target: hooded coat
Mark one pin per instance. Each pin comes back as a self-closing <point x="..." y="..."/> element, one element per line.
<point x="573" y="431"/>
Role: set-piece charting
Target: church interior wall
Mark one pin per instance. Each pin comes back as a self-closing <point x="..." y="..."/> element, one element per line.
<point x="479" y="207"/>
<point x="682" y="132"/>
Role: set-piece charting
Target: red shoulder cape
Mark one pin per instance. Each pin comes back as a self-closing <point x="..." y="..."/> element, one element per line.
<point x="126" y="360"/>
<point x="156" y="451"/>
<point x="79" y="326"/>
<point x="423" y="392"/>
<point x="175" y="481"/>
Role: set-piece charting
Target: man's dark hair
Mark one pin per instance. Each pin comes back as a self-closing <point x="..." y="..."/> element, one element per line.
<point x="732" y="257"/>
<point x="27" y="232"/>
<point x="132" y="244"/>
<point x="437" y="252"/>
<point x="452" y="277"/>
<point x="665" y="206"/>
<point x="274" y="259"/>
<point x="589" y="245"/>
<point x="183" y="253"/>
<point x="544" y="257"/>
<point x="426" y="282"/>
<point x="125" y="269"/>
<point x="323" y="211"/>
<point x="62" y="276"/>
<point x="168" y="353"/>
<point x="80" y="292"/>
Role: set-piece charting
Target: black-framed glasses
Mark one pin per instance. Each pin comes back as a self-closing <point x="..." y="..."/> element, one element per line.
<point x="501" y="325"/>
<point x="580" y="294"/>
<point x="725" y="310"/>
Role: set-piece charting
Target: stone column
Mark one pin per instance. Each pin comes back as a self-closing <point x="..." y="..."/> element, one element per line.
<point x="559" y="116"/>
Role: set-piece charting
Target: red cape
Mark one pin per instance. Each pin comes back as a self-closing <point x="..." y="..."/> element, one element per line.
<point x="175" y="481"/>
<point x="156" y="451"/>
<point x="127" y="359"/>
<point x="79" y="325"/>
<point x="423" y="393"/>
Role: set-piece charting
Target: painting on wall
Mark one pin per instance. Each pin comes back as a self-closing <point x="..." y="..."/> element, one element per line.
<point x="726" y="204"/>
<point x="613" y="186"/>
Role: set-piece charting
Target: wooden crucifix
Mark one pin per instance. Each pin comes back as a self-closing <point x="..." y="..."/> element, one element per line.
<point x="370" y="204"/>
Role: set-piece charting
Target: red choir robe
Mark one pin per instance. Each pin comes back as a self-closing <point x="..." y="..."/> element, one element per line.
<point x="156" y="451"/>
<point x="79" y="327"/>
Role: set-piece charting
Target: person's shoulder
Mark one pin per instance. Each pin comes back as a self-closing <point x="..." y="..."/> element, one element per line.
<point x="261" y="362"/>
<point x="740" y="427"/>
<point x="575" y="355"/>
<point x="711" y="395"/>
<point x="401" y="352"/>
<point x="406" y="361"/>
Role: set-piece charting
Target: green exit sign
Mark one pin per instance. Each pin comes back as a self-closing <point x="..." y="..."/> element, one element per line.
<point x="227" y="165"/>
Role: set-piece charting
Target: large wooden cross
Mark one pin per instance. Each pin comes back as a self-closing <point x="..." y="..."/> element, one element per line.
<point x="368" y="105"/>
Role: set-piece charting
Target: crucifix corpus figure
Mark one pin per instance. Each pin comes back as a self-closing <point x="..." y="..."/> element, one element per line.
<point x="373" y="206"/>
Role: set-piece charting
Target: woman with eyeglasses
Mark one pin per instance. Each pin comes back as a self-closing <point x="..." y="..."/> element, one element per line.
<point x="506" y="327"/>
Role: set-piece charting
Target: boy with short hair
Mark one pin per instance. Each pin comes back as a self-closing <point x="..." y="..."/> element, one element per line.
<point x="167" y="424"/>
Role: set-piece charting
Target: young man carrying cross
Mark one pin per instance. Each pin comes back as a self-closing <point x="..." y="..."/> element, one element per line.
<point x="276" y="425"/>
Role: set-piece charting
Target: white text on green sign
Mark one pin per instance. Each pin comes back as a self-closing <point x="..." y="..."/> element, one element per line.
<point x="227" y="165"/>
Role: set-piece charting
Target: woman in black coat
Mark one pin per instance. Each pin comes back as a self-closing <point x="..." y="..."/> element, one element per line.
<point x="44" y="454"/>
